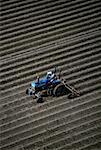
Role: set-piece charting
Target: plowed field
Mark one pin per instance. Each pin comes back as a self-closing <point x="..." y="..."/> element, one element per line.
<point x="36" y="36"/>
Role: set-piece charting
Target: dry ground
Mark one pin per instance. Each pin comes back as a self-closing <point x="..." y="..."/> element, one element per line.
<point x="36" y="36"/>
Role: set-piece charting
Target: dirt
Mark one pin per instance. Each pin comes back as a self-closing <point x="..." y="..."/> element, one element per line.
<point x="35" y="37"/>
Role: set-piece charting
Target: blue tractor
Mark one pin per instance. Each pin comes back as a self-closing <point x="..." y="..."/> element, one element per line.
<point x="52" y="85"/>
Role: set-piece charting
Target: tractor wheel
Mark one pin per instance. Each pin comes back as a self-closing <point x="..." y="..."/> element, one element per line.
<point x="40" y="100"/>
<point x="59" y="90"/>
<point x="29" y="92"/>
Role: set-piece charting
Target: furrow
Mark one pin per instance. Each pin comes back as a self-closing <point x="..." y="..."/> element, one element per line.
<point x="53" y="126"/>
<point x="58" y="58"/>
<point x="31" y="127"/>
<point x="78" y="73"/>
<point x="38" y="9"/>
<point x="51" y="9"/>
<point x="11" y="74"/>
<point x="89" y="40"/>
<point x="51" y="138"/>
<point x="34" y="117"/>
<point x="61" y="16"/>
<point x="17" y="4"/>
<point x="54" y="34"/>
<point x="82" y="142"/>
<point x="75" y="139"/>
<point x="91" y="86"/>
<point x="37" y="36"/>
<point x="5" y="104"/>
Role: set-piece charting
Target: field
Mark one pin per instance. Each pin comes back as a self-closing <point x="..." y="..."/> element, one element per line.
<point x="36" y="36"/>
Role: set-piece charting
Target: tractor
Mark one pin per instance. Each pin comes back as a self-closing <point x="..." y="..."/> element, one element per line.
<point x="51" y="85"/>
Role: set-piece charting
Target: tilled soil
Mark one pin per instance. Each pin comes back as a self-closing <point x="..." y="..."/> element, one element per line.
<point x="35" y="37"/>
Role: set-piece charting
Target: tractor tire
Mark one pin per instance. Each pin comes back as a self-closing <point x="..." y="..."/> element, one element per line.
<point x="27" y="91"/>
<point x="59" y="90"/>
<point x="40" y="100"/>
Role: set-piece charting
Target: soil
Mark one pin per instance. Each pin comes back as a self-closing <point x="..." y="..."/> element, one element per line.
<point x="37" y="36"/>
